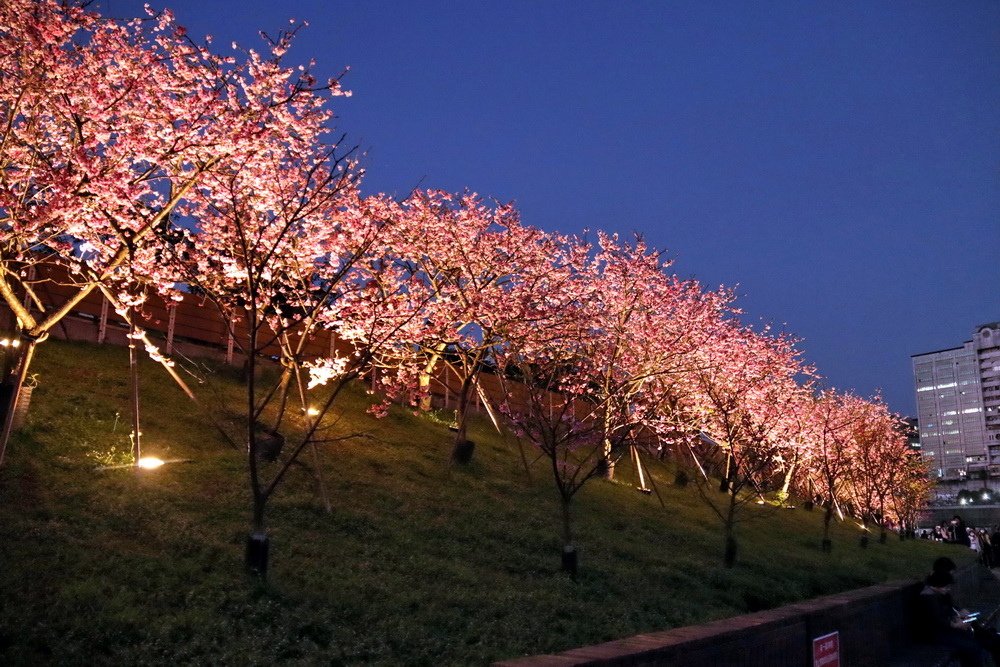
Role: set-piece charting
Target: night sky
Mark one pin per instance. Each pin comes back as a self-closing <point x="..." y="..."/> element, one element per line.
<point x="838" y="162"/>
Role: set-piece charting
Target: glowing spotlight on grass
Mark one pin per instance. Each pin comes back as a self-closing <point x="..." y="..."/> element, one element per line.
<point x="144" y="463"/>
<point x="149" y="462"/>
<point x="312" y="412"/>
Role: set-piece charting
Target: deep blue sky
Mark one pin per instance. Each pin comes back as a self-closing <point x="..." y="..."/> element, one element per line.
<point x="838" y="162"/>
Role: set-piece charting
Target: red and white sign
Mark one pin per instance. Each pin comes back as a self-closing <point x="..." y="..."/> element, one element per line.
<point x="826" y="650"/>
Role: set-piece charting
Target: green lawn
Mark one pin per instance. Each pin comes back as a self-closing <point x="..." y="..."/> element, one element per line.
<point x="419" y="562"/>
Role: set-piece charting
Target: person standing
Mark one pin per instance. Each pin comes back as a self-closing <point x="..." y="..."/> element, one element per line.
<point x="957" y="527"/>
<point x="985" y="547"/>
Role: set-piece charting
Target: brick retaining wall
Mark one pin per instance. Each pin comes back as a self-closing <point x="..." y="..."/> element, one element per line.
<point x="872" y="622"/>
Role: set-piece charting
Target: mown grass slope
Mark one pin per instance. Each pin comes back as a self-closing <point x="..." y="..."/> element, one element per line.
<point x="420" y="562"/>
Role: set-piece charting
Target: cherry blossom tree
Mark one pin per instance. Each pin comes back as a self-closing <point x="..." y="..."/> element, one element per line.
<point x="544" y="370"/>
<point x="909" y="491"/>
<point x="75" y="177"/>
<point x="880" y="457"/>
<point x="565" y="433"/>
<point x="285" y="247"/>
<point x="896" y="465"/>
<point x="617" y="344"/>
<point x="858" y="462"/>
<point x="107" y="129"/>
<point x="834" y="419"/>
<point x="746" y="383"/>
<point x="133" y="159"/>
<point x="483" y="270"/>
<point x="645" y="328"/>
<point x="795" y="459"/>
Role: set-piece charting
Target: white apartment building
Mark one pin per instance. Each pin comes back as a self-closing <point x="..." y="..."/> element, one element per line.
<point x="958" y="407"/>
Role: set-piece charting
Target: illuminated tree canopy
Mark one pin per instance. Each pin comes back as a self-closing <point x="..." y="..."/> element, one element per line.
<point x="139" y="161"/>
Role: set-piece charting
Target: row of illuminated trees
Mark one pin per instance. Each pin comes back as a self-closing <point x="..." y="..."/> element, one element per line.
<point x="141" y="161"/>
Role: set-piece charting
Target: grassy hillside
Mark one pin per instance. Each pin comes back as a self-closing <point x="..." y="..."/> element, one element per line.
<point x="419" y="562"/>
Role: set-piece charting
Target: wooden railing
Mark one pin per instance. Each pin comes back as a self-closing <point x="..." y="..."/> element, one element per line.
<point x="194" y="327"/>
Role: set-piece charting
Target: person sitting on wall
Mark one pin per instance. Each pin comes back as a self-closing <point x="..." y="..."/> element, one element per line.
<point x="945" y="565"/>
<point x="938" y="621"/>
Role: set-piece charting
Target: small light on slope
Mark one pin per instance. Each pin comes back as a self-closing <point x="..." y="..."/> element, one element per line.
<point x="149" y="462"/>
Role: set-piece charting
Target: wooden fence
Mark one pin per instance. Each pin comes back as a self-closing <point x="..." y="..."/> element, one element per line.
<point x="194" y="327"/>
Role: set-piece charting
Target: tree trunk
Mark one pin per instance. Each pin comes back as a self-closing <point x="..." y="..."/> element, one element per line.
<point x="606" y="467"/>
<point x="425" y="394"/>
<point x="570" y="561"/>
<point x="827" y="545"/>
<point x="729" y="555"/>
<point x="783" y="494"/>
<point x="133" y="374"/>
<point x="426" y="376"/>
<point x="882" y="536"/>
<point x="257" y="541"/>
<point x="463" y="448"/>
<point x="567" y="523"/>
<point x="16" y="380"/>
<point x="284" y="388"/>
<point x="865" y="539"/>
<point x="729" y="559"/>
<point x="724" y="482"/>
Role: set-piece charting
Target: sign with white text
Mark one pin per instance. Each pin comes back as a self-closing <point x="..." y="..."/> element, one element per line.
<point x="826" y="650"/>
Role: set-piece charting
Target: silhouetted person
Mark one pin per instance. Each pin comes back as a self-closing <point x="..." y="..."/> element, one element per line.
<point x="938" y="621"/>
<point x="959" y="532"/>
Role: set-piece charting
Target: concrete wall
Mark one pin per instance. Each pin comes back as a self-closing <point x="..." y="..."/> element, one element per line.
<point x="978" y="516"/>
